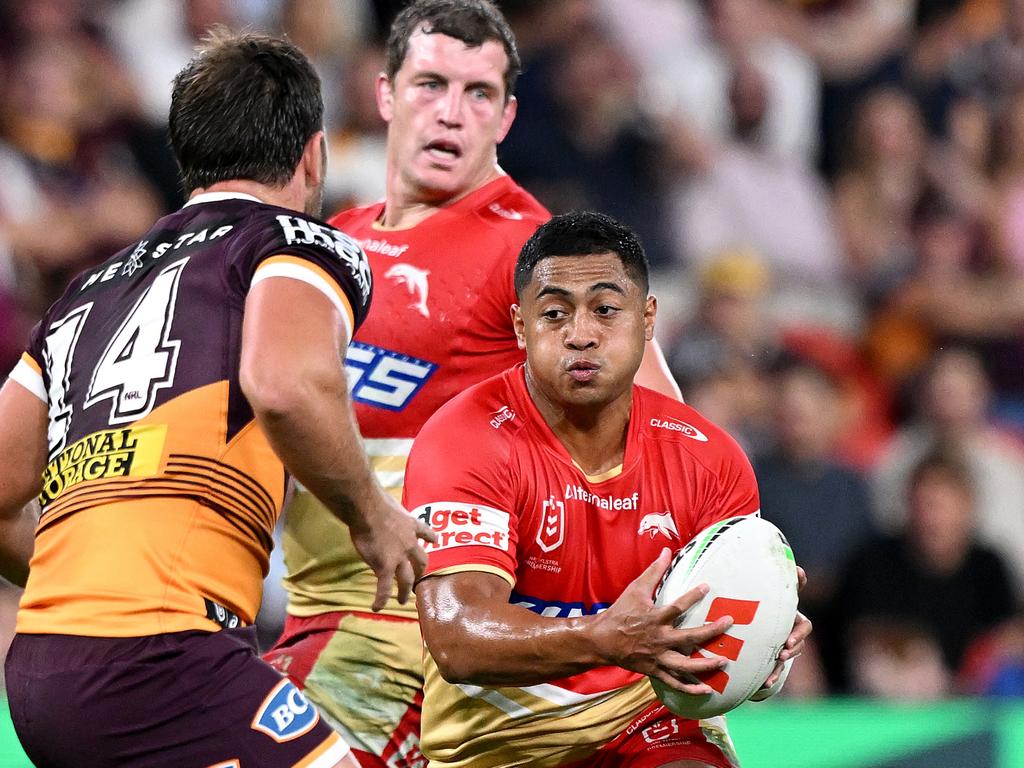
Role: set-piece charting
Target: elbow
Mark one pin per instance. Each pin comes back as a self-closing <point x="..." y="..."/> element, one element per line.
<point x="272" y="394"/>
<point x="455" y="667"/>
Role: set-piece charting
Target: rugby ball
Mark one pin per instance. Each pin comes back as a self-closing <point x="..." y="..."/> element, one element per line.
<point x="750" y="570"/>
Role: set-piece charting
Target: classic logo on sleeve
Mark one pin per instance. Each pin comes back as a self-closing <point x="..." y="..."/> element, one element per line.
<point x="465" y="525"/>
<point x="285" y="714"/>
<point x="675" y="425"/>
<point x="301" y="231"/>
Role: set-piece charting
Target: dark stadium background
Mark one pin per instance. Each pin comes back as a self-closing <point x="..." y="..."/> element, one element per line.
<point x="832" y="195"/>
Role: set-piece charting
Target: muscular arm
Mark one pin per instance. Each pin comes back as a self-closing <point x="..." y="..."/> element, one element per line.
<point x="293" y="376"/>
<point x="23" y="445"/>
<point x="476" y="636"/>
<point x="654" y="373"/>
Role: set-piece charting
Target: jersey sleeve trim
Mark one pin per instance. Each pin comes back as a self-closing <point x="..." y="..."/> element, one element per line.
<point x="311" y="274"/>
<point x="473" y="568"/>
<point x="28" y="373"/>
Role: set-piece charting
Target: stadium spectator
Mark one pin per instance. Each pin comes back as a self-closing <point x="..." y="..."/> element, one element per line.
<point x="932" y="586"/>
<point x="525" y="664"/>
<point x="876" y="192"/>
<point x="952" y="414"/>
<point x="721" y="357"/>
<point x="442" y="245"/>
<point x="590" y="143"/>
<point x="753" y="196"/>
<point x="153" y="418"/>
<point x="820" y="502"/>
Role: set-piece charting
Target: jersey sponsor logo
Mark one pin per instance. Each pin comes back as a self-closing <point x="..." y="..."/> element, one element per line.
<point x="556" y="609"/>
<point x="137" y="258"/>
<point x="681" y="427"/>
<point x="654" y="524"/>
<point x="383" y="247"/>
<point x="415" y="281"/>
<point x="464" y="525"/>
<point x="285" y="714"/>
<point x="505" y="213"/>
<point x="301" y="231"/>
<point x="579" y="493"/>
<point x="383" y="378"/>
<point x="502" y="415"/>
<point x="551" y="532"/>
<point x="133" y="452"/>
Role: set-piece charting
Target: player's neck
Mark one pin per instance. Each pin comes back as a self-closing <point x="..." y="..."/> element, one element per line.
<point x="280" y="196"/>
<point x="594" y="436"/>
<point x="406" y="206"/>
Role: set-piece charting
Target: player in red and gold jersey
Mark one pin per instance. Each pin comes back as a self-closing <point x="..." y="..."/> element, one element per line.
<point x="154" y="416"/>
<point x="442" y="246"/>
<point x="556" y="491"/>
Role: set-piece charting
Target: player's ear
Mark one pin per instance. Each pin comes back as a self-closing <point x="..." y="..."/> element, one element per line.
<point x="650" y="313"/>
<point x="508" y="114"/>
<point x="314" y="160"/>
<point x="385" y="97"/>
<point x="519" y="325"/>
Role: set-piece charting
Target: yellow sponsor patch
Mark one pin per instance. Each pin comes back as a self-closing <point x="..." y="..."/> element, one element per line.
<point x="131" y="452"/>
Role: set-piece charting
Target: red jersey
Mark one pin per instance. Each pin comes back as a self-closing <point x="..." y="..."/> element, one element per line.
<point x="440" y="323"/>
<point x="503" y="496"/>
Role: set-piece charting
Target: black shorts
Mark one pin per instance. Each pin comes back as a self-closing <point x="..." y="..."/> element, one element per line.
<point x="181" y="700"/>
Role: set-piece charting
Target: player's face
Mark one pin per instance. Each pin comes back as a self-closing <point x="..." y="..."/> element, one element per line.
<point x="446" y="114"/>
<point x="583" y="322"/>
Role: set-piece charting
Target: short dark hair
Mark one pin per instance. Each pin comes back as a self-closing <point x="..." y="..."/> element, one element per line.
<point x="583" y="233"/>
<point x="943" y="464"/>
<point x="243" y="108"/>
<point x="474" y="22"/>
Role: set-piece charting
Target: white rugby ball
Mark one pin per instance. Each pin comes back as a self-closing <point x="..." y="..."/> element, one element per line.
<point x="749" y="567"/>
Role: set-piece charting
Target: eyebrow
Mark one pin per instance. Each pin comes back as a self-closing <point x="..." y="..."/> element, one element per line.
<point x="551" y="290"/>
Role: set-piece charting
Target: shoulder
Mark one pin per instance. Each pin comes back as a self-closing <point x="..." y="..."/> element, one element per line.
<point x="508" y="213"/>
<point x="669" y="422"/>
<point x="480" y="419"/>
<point x="356" y="217"/>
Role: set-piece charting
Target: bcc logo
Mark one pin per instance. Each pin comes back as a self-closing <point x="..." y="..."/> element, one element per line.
<point x="285" y="714"/>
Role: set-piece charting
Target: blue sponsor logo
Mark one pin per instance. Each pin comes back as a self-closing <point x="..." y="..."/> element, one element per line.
<point x="555" y="609"/>
<point x="383" y="378"/>
<point x="286" y="714"/>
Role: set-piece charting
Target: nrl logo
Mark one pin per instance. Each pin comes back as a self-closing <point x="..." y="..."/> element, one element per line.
<point x="655" y="524"/>
<point x="551" y="533"/>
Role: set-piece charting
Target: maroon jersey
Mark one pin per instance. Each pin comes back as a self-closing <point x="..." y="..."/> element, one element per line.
<point x="164" y="487"/>
<point x="503" y="496"/>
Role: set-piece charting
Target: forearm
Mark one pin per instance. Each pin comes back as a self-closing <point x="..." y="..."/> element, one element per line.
<point x="17" y="540"/>
<point x="506" y="645"/>
<point x="314" y="433"/>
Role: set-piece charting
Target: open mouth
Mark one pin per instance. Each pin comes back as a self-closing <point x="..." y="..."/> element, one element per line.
<point x="446" y="151"/>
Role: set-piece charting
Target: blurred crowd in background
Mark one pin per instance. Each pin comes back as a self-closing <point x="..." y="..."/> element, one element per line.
<point x="831" y="193"/>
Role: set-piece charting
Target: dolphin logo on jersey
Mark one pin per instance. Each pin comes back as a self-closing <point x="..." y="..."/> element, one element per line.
<point x="656" y="524"/>
<point x="415" y="280"/>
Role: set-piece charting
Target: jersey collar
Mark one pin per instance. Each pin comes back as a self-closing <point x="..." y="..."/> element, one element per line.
<point x="216" y="197"/>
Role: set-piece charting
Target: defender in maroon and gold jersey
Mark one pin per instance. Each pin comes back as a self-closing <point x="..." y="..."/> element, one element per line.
<point x="154" y="416"/>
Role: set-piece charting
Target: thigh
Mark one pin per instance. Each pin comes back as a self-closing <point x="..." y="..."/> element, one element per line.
<point x="187" y="699"/>
<point x="365" y="674"/>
